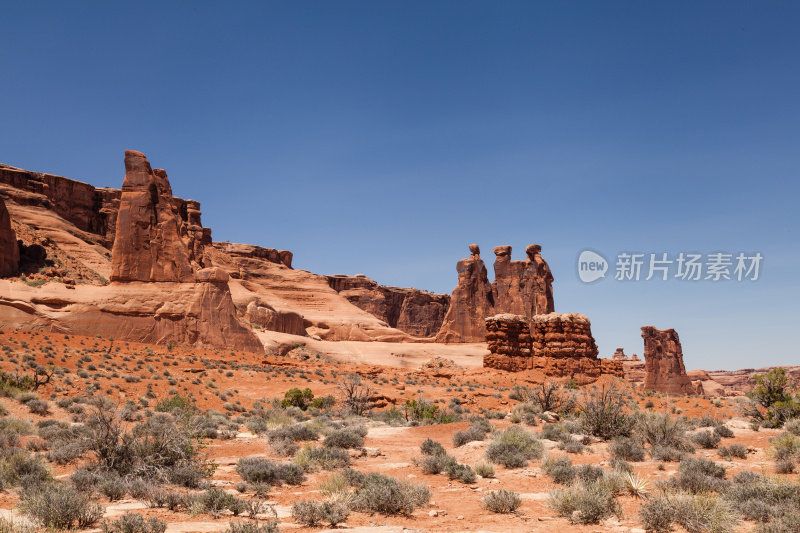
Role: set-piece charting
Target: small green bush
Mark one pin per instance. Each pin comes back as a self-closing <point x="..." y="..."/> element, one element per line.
<point x="560" y="469"/>
<point x="484" y="469"/>
<point x="310" y="459"/>
<point x="706" y="439"/>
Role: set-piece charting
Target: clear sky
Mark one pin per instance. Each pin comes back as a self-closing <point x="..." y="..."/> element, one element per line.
<point x="384" y="137"/>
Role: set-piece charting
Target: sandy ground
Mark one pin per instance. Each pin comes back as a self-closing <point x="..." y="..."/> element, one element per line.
<point x="221" y="379"/>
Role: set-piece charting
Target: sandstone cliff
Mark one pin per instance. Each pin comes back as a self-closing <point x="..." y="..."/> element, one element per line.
<point x="418" y="313"/>
<point x="9" y="251"/>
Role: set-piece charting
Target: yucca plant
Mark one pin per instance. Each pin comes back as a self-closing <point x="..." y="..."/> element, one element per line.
<point x="636" y="485"/>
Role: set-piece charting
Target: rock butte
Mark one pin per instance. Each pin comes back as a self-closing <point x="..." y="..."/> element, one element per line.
<point x="663" y="356"/>
<point x="558" y="345"/>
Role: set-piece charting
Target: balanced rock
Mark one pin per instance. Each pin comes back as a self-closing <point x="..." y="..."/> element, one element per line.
<point x="471" y="302"/>
<point x="9" y="250"/>
<point x="148" y="244"/>
<point x="663" y="356"/>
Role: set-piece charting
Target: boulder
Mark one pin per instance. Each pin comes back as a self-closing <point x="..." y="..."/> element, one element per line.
<point x="148" y="244"/>
<point x="663" y="357"/>
<point x="9" y="250"/>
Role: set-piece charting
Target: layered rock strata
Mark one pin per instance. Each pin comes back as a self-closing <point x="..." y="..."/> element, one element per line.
<point x="558" y="345"/>
<point x="9" y="250"/>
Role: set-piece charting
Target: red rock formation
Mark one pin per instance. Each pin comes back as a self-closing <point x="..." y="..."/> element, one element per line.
<point x="472" y="301"/>
<point x="558" y="345"/>
<point x="265" y="316"/>
<point x="148" y="245"/>
<point x="508" y="289"/>
<point x="520" y="287"/>
<point x="9" y="251"/>
<point x="418" y="313"/>
<point x="537" y="283"/>
<point x="663" y="356"/>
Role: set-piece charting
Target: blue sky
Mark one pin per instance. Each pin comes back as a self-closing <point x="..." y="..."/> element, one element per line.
<point x="384" y="137"/>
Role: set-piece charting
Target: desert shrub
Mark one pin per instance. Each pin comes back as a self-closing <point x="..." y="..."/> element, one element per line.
<point x="111" y="486"/>
<point x="773" y="398"/>
<point x="159" y="497"/>
<point x="793" y="426"/>
<point x="785" y="446"/>
<point x="311" y="513"/>
<point x="357" y="397"/>
<point x="215" y="500"/>
<point x="38" y="407"/>
<point x="258" y="470"/>
<point x="502" y="501"/>
<point x="20" y="467"/>
<point x="84" y="479"/>
<point x="294" y="433"/>
<point x="555" y="432"/>
<point x="628" y="449"/>
<point x="285" y="448"/>
<point x="186" y="475"/>
<point x="297" y="398"/>
<point x="706" y="439"/>
<point x="785" y="466"/>
<point x="346" y="438"/>
<point x="657" y="514"/>
<point x="585" y="503"/>
<point x="782" y="524"/>
<point x="181" y="403"/>
<point x="310" y="459"/>
<point x="435" y="464"/>
<point x="664" y="431"/>
<point x="667" y="454"/>
<point x="61" y="507"/>
<point x="472" y="433"/>
<point x="514" y="447"/>
<point x="698" y="476"/>
<point x="571" y="446"/>
<point x="723" y="431"/>
<point x="734" y="450"/>
<point x="431" y="447"/>
<point x="588" y="473"/>
<point x="270" y="526"/>
<point x="546" y="396"/>
<point x="386" y="495"/>
<point x="11" y="525"/>
<point x="603" y="413"/>
<point x="484" y="469"/>
<point x="703" y="513"/>
<point x="139" y="488"/>
<point x="559" y="469"/>
<point x="459" y="471"/>
<point x="422" y="411"/>
<point x="133" y="523"/>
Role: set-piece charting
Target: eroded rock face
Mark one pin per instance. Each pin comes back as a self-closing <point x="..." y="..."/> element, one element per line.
<point x="558" y="345"/>
<point x="520" y="288"/>
<point x="9" y="251"/>
<point x="663" y="356"/>
<point x="418" y="313"/>
<point x="148" y="244"/>
<point x="537" y="283"/>
<point x="472" y="301"/>
<point x="267" y="317"/>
